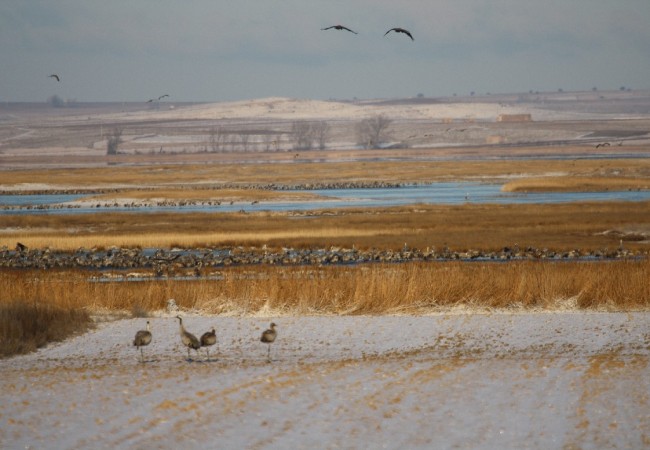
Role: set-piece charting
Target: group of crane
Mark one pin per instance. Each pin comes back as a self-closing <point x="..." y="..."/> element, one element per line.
<point x="151" y="100"/>
<point x="335" y="27"/>
<point x="396" y="30"/>
<point x="191" y="342"/>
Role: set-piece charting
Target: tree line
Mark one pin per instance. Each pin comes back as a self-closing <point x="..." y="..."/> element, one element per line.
<point x="303" y="135"/>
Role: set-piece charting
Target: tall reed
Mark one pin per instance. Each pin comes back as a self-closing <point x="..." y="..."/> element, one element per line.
<point x="26" y="326"/>
<point x="365" y="289"/>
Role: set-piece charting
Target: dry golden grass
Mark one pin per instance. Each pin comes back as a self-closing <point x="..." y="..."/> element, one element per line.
<point x="412" y="288"/>
<point x="176" y="175"/>
<point x="30" y="322"/>
<point x="577" y="184"/>
<point x="587" y="226"/>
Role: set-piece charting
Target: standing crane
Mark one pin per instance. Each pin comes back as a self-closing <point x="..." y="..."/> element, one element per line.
<point x="208" y="339"/>
<point x="188" y="339"/>
<point x="268" y="337"/>
<point x="142" y="338"/>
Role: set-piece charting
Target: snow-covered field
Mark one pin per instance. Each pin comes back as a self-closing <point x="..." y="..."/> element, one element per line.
<point x="446" y="380"/>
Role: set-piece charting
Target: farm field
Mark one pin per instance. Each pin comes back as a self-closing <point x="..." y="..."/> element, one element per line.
<point x="456" y="379"/>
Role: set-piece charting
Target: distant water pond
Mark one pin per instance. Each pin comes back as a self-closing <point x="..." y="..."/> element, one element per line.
<point x="435" y="193"/>
<point x="16" y="200"/>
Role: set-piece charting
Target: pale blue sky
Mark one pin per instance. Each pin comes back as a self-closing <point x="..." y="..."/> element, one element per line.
<point x="215" y="50"/>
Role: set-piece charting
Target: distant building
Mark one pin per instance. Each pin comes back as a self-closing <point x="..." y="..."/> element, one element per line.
<point x="514" y="118"/>
<point x="495" y="139"/>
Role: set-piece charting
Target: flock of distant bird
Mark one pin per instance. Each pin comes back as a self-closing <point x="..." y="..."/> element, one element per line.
<point x="191" y="342"/>
<point x="396" y="30"/>
<point x="58" y="78"/>
<point x="335" y="27"/>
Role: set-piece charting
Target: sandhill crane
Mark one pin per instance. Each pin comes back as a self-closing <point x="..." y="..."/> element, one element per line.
<point x="163" y="96"/>
<point x="400" y="30"/>
<point x="55" y="76"/>
<point x="142" y="338"/>
<point x="209" y="338"/>
<point x="188" y="339"/>
<point x="339" y="27"/>
<point x="268" y="336"/>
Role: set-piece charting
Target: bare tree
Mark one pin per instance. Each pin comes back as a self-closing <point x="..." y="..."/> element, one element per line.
<point x="244" y="138"/>
<point x="114" y="141"/>
<point x="56" y="102"/>
<point x="267" y="139"/>
<point x="301" y="132"/>
<point x="216" y="138"/>
<point x="372" y="132"/>
<point x="320" y="131"/>
<point x="229" y="140"/>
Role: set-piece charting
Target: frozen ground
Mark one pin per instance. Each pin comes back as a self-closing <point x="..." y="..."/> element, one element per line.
<point x="501" y="380"/>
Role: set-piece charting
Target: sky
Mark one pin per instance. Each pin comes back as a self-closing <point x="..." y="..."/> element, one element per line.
<point x="217" y="50"/>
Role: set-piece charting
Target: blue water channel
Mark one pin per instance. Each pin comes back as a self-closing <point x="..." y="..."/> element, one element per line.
<point x="435" y="193"/>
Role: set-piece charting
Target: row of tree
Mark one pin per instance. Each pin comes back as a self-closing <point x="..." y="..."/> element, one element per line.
<point x="303" y="135"/>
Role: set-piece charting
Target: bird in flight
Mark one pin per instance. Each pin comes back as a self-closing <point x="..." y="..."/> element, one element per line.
<point x="163" y="96"/>
<point x="55" y="76"/>
<point x="400" y="30"/>
<point x="339" y="27"/>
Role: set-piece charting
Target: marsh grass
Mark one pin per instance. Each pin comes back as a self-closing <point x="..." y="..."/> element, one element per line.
<point x="26" y="326"/>
<point x="166" y="176"/>
<point x="362" y="289"/>
<point x="576" y="184"/>
<point x="586" y="226"/>
<point x="67" y="299"/>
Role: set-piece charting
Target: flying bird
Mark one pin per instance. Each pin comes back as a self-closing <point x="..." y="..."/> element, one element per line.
<point x="400" y="30"/>
<point x="339" y="27"/>
<point x="163" y="96"/>
<point x="55" y="76"/>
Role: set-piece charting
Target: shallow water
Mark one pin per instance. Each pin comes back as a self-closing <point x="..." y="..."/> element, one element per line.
<point x="47" y="199"/>
<point x="435" y="193"/>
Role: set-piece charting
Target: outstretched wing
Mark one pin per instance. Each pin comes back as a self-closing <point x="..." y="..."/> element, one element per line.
<point x="55" y="76"/>
<point x="339" y="27"/>
<point x="346" y="28"/>
<point x="400" y="30"/>
<point x="406" y="32"/>
<point x="163" y="96"/>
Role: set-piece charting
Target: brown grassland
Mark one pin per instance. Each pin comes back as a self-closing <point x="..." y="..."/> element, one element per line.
<point x="635" y="171"/>
<point x="38" y="306"/>
<point x="362" y="289"/>
<point x="28" y="325"/>
<point x="559" y="227"/>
